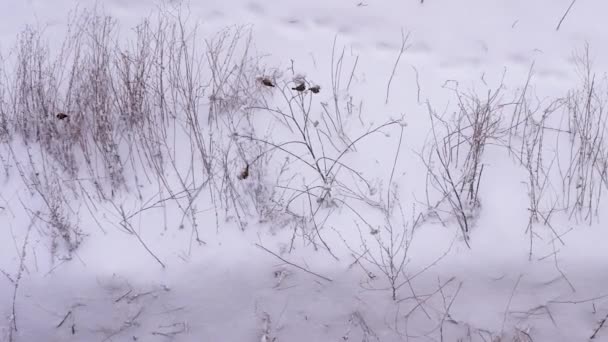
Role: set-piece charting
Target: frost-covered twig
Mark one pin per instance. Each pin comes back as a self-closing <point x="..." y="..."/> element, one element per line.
<point x="564" y="16"/>
<point x="599" y="327"/>
<point x="13" y="327"/>
<point x="292" y="264"/>
<point x="404" y="39"/>
<point x="129" y="228"/>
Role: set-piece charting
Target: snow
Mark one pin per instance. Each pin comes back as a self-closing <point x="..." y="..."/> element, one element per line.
<point x="249" y="278"/>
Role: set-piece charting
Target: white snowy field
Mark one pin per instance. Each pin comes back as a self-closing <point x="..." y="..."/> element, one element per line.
<point x="303" y="170"/>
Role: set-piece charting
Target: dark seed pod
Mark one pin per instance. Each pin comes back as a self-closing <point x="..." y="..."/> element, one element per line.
<point x="315" y="89"/>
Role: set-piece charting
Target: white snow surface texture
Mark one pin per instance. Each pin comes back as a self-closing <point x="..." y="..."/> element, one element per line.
<point x="300" y="171"/>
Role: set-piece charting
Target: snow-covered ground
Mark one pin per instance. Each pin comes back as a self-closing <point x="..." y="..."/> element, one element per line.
<point x="445" y="182"/>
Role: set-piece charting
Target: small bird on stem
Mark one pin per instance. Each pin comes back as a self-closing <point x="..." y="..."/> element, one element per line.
<point x="300" y="87"/>
<point x="267" y="82"/>
<point x="61" y="116"/>
<point x="245" y="173"/>
<point x="315" y="89"/>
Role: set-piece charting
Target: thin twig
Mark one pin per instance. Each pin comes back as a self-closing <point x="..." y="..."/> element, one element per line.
<point x="13" y="327"/>
<point x="292" y="264"/>
<point x="404" y="39"/>
<point x="578" y="301"/>
<point x="417" y="84"/>
<point x="599" y="327"/>
<point x="8" y="276"/>
<point x="390" y="181"/>
<point x="565" y="14"/>
<point x="64" y="319"/>
<point x="504" y="319"/>
<point x="123" y="296"/>
<point x="129" y="228"/>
